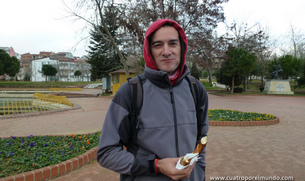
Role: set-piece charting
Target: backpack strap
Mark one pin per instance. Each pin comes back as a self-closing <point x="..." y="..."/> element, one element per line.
<point x="194" y="87"/>
<point x="136" y="103"/>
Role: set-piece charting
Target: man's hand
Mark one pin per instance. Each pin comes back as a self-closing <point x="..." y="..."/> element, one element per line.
<point x="167" y="167"/>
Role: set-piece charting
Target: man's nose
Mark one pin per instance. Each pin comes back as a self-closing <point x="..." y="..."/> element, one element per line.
<point x="166" y="51"/>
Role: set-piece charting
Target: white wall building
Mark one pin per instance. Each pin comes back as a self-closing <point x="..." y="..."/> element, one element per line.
<point x="65" y="70"/>
<point x="36" y="67"/>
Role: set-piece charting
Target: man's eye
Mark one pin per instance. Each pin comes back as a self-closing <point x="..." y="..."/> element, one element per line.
<point x="157" y="45"/>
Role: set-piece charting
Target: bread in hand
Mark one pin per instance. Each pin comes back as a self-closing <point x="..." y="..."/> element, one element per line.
<point x="185" y="161"/>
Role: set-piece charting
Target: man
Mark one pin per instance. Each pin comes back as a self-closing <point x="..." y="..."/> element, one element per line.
<point x="168" y="126"/>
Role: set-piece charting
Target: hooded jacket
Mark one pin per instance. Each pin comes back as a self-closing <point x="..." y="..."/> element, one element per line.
<point x="168" y="125"/>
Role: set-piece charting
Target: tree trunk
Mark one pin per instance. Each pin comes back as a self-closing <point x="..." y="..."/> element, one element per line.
<point x="232" y="90"/>
<point x="112" y="40"/>
<point x="120" y="55"/>
<point x="262" y="79"/>
<point x="248" y="82"/>
<point x="245" y="83"/>
<point x="210" y="76"/>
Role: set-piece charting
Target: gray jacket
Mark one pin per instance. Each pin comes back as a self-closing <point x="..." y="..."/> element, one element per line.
<point x="168" y="128"/>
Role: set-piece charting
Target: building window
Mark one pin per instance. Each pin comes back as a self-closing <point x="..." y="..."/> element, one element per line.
<point x="115" y="79"/>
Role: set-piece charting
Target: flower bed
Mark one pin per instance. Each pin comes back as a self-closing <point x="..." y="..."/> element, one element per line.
<point x="222" y="117"/>
<point x="22" y="154"/>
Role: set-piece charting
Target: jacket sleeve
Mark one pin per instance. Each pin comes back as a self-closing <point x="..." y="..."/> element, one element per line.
<point x="203" y="118"/>
<point x="116" y="134"/>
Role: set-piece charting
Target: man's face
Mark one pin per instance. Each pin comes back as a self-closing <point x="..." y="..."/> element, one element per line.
<point x="166" y="49"/>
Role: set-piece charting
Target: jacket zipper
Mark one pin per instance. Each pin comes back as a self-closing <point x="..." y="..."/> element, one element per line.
<point x="175" y="119"/>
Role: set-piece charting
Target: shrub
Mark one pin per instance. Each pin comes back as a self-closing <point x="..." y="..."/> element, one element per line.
<point x="231" y="115"/>
<point x="301" y="81"/>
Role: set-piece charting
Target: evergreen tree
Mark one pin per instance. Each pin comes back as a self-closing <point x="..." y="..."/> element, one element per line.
<point x="13" y="67"/>
<point x="195" y="71"/>
<point x="4" y="58"/>
<point x="77" y="73"/>
<point x="291" y="66"/>
<point x="224" y="78"/>
<point x="240" y="63"/>
<point x="301" y="79"/>
<point x="8" y="65"/>
<point x="102" y="55"/>
<point x="48" y="70"/>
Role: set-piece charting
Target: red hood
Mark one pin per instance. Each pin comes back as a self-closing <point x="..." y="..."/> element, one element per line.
<point x="154" y="27"/>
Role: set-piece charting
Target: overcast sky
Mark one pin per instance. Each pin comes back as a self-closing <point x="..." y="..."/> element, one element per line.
<point x="38" y="25"/>
<point x="277" y="15"/>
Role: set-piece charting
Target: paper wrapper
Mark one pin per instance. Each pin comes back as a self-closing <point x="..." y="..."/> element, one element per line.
<point x="193" y="156"/>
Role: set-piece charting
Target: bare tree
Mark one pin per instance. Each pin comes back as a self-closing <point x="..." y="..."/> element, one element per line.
<point x="297" y="39"/>
<point x="250" y="37"/>
<point x="197" y="18"/>
<point x="255" y="39"/>
<point x="193" y="16"/>
<point x="208" y="53"/>
<point x="95" y="9"/>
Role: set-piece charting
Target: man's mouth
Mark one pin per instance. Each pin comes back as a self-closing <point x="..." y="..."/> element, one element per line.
<point x="167" y="60"/>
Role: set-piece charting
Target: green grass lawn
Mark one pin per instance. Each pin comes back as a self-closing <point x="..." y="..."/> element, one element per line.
<point x="254" y="86"/>
<point x="254" y="89"/>
<point x="208" y="86"/>
<point x="52" y="83"/>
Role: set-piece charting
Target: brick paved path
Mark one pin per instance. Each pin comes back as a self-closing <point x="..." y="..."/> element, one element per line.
<point x="232" y="151"/>
<point x="264" y="150"/>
